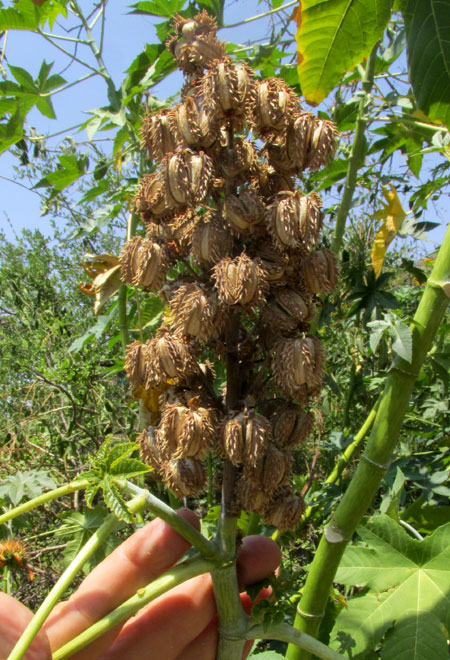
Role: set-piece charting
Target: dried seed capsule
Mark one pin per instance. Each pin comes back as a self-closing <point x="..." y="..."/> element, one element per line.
<point x="295" y="220"/>
<point x="195" y="312"/>
<point x="189" y="430"/>
<point x="185" y="476"/>
<point x="230" y="86"/>
<point x="135" y="364"/>
<point x="143" y="263"/>
<point x="211" y="240"/>
<point x="280" y="156"/>
<point x="151" y="197"/>
<point x="237" y="160"/>
<point x="159" y="135"/>
<point x="287" y="310"/>
<point x="322" y="143"/>
<point x="297" y="367"/>
<point x="168" y="356"/>
<point x="245" y="438"/>
<point x="275" y="103"/>
<point x="244" y="212"/>
<point x="187" y="176"/>
<point x="274" y="264"/>
<point x="319" y="271"/>
<point x="152" y="449"/>
<point x="194" y="123"/>
<point x="240" y="281"/>
<point x="291" y="425"/>
<point x="251" y="497"/>
<point x="195" y="44"/>
<point x="272" y="470"/>
<point x="285" y="511"/>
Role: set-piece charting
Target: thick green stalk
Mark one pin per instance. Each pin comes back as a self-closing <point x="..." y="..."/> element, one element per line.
<point x="233" y="621"/>
<point x="356" y="155"/>
<point x="286" y="633"/>
<point x="177" y="575"/>
<point x="110" y="525"/>
<point x="171" y="517"/>
<point x="79" y="484"/>
<point x="378" y="454"/>
<point x="123" y="320"/>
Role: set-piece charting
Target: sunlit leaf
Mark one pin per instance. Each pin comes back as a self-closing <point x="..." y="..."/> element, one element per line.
<point x="428" y="35"/>
<point x="409" y="582"/>
<point x="392" y="214"/>
<point x="334" y="36"/>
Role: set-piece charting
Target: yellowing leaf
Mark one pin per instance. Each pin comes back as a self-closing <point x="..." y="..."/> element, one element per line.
<point x="333" y="36"/>
<point x="105" y="270"/>
<point x="392" y="215"/>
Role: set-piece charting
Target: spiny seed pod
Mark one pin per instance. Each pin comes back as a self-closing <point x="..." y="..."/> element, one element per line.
<point x="244" y="212"/>
<point x="151" y="197"/>
<point x="270" y="181"/>
<point x="295" y="220"/>
<point x="251" y="497"/>
<point x="275" y="104"/>
<point x="189" y="430"/>
<point x="143" y="263"/>
<point x="278" y="153"/>
<point x="187" y="176"/>
<point x="181" y="230"/>
<point x="321" y="143"/>
<point x="185" y="476"/>
<point x="285" y="511"/>
<point x="245" y="438"/>
<point x="195" y="312"/>
<point x="230" y="86"/>
<point x="320" y="271"/>
<point x="287" y="310"/>
<point x="193" y="122"/>
<point x="135" y="363"/>
<point x="195" y="44"/>
<point x="13" y="553"/>
<point x="274" y="264"/>
<point x="237" y="160"/>
<point x="297" y="366"/>
<point x="240" y="281"/>
<point x="159" y="135"/>
<point x="153" y="450"/>
<point x="272" y="471"/>
<point x="168" y="356"/>
<point x="211" y="240"/>
<point x="291" y="425"/>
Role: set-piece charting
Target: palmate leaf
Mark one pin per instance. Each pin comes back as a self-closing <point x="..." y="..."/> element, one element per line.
<point x="334" y="36"/>
<point x="427" y="25"/>
<point x="409" y="596"/>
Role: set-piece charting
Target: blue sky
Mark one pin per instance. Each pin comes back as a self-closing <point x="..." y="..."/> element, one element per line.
<point x="125" y="36"/>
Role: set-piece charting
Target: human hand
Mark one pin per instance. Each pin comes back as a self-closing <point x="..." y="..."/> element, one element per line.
<point x="180" y="625"/>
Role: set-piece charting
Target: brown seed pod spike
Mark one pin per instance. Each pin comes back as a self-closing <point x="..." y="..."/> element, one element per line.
<point x="143" y="263"/>
<point x="240" y="281"/>
<point x="195" y="312"/>
<point x="185" y="476"/>
<point x="295" y="220"/>
<point x="168" y="356"/>
<point x="297" y="367"/>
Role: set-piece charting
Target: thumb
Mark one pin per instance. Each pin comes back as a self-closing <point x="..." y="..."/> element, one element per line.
<point x="14" y="618"/>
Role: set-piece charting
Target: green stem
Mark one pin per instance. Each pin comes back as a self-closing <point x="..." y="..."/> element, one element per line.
<point x="286" y="633"/>
<point x="92" y="45"/>
<point x="347" y="455"/>
<point x="80" y="484"/>
<point x="356" y="156"/>
<point x="349" y="396"/>
<point x="177" y="575"/>
<point x="233" y="621"/>
<point x="110" y="524"/>
<point x="253" y="524"/>
<point x="378" y="455"/>
<point x="123" y="320"/>
<point x="171" y="517"/>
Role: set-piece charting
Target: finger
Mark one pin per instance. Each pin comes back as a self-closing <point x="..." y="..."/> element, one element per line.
<point x="204" y="647"/>
<point x="172" y="622"/>
<point x="147" y="554"/>
<point x="13" y="620"/>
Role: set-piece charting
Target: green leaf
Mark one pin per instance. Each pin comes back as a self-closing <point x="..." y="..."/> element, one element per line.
<point x="428" y="36"/>
<point x="401" y="340"/>
<point x="12" y="19"/>
<point x="115" y="502"/>
<point x="409" y="582"/>
<point x="128" y="468"/>
<point x="165" y="8"/>
<point x="334" y="36"/>
<point x="23" y="78"/>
